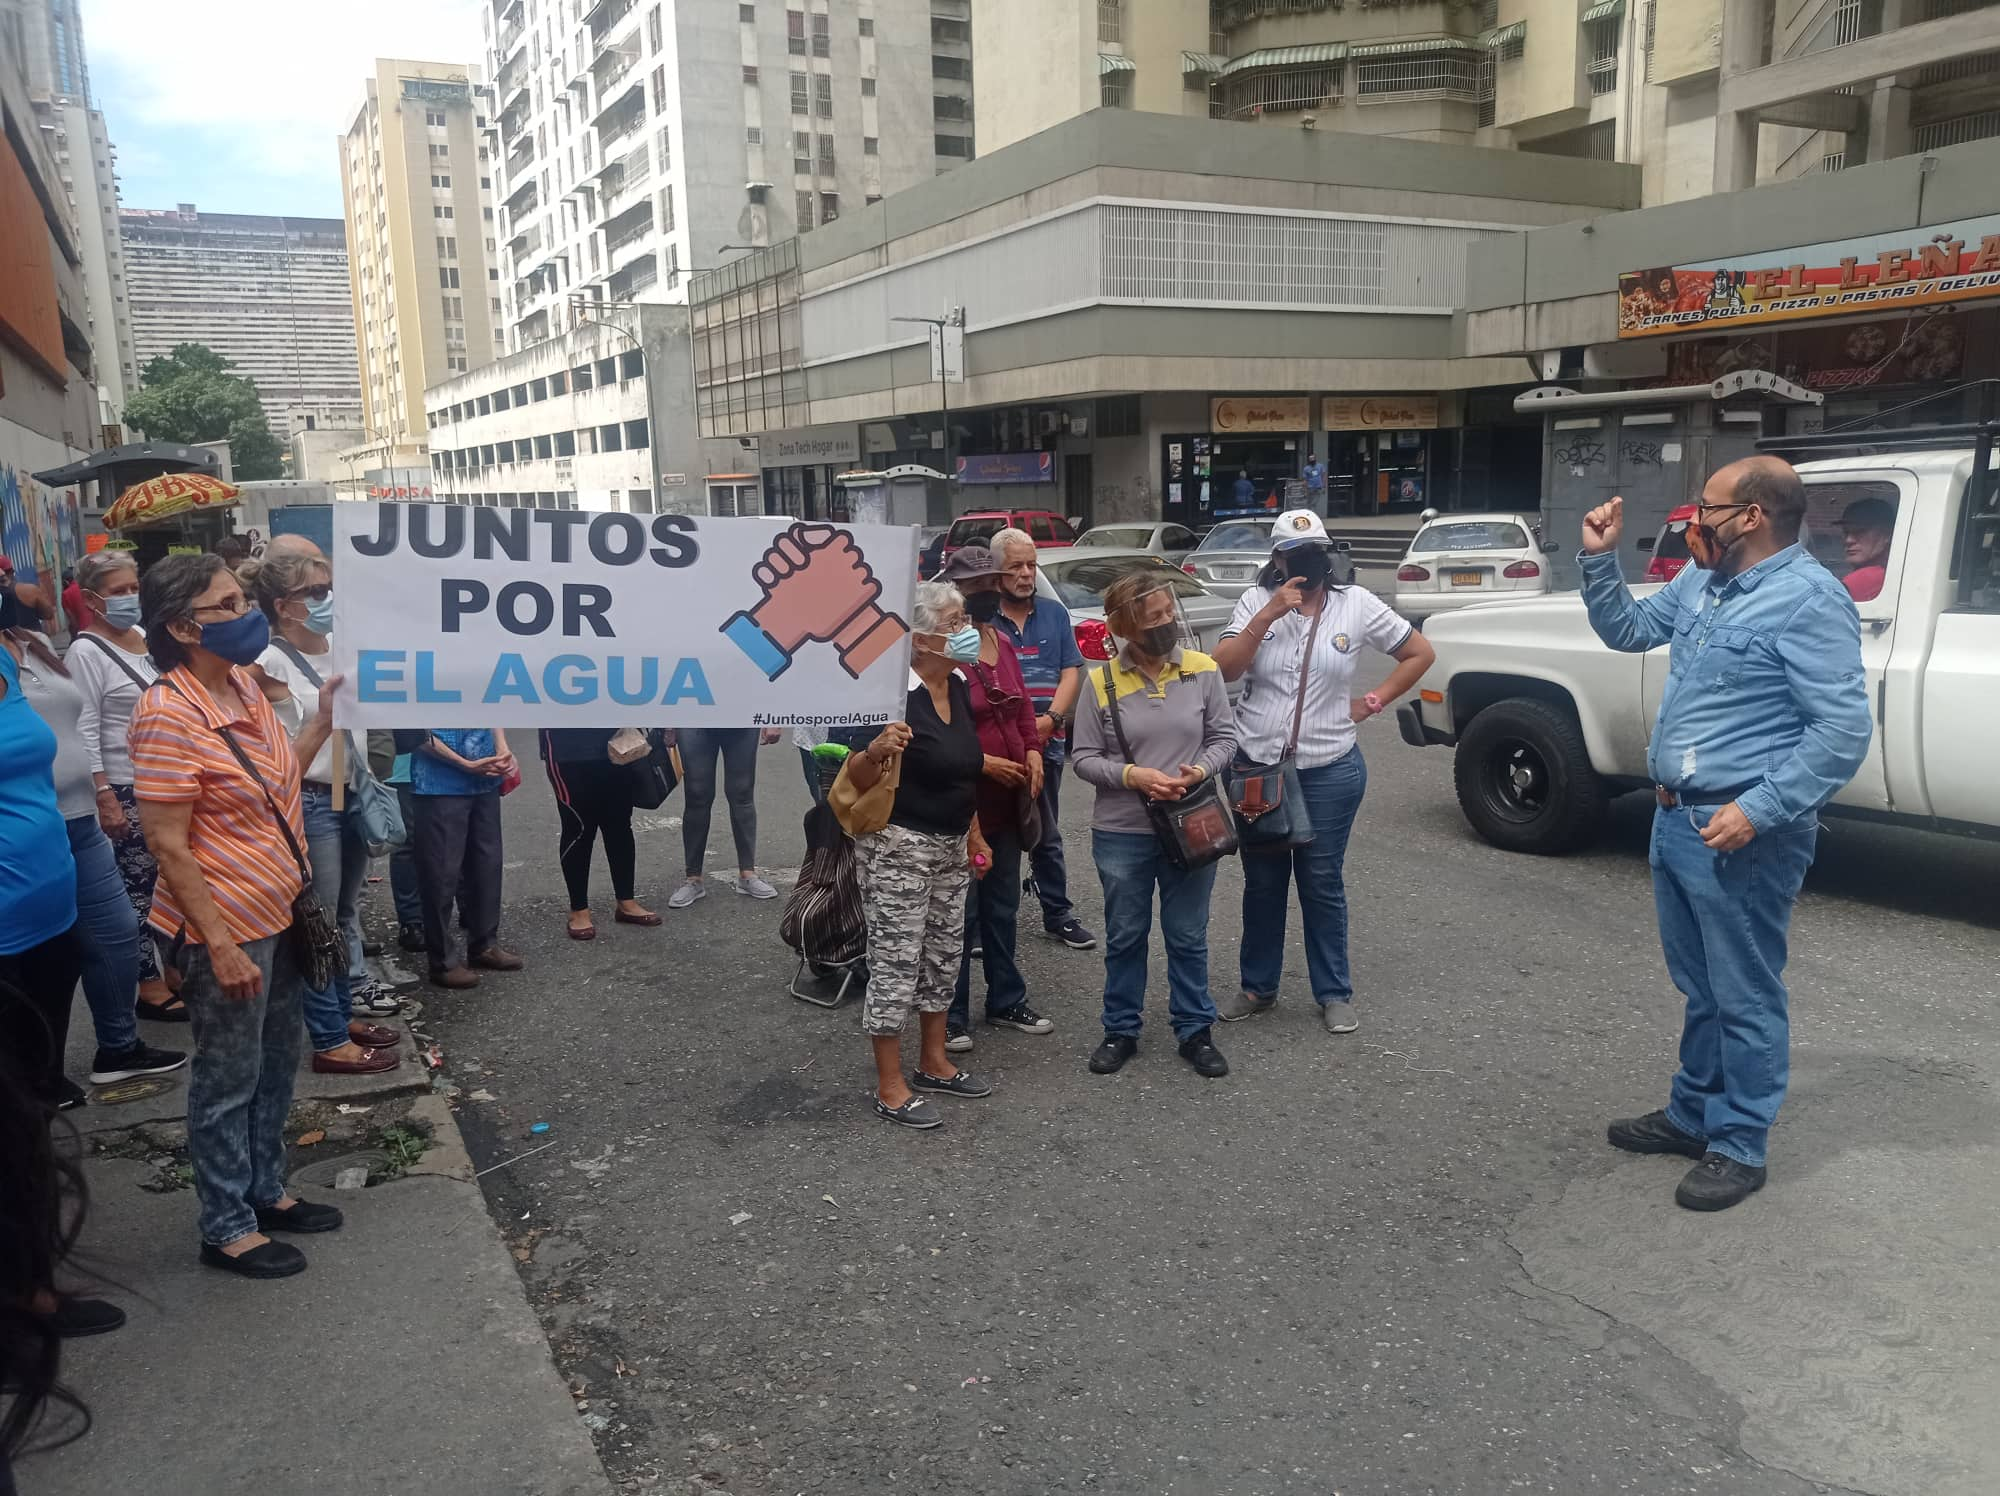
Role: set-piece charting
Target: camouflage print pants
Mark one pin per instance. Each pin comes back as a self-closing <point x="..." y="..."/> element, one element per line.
<point x="913" y="889"/>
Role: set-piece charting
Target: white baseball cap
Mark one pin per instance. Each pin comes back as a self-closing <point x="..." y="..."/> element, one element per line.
<point x="1295" y="526"/>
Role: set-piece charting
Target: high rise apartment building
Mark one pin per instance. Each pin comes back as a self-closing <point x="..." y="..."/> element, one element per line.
<point x="269" y="294"/>
<point x="45" y="37"/>
<point x="640" y="139"/>
<point x="416" y="175"/>
<point x="1706" y="95"/>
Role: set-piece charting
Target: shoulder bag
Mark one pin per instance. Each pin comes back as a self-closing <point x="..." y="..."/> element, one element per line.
<point x="860" y="811"/>
<point x="650" y="777"/>
<point x="1193" y="831"/>
<point x="317" y="947"/>
<point x="374" y="811"/>
<point x="1268" y="800"/>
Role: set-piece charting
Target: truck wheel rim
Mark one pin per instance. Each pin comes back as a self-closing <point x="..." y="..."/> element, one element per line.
<point x="1516" y="781"/>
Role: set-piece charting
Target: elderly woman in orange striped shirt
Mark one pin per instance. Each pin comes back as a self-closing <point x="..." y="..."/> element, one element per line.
<point x="227" y="831"/>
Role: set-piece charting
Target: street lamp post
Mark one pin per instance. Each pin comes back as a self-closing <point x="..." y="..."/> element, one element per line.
<point x="954" y="318"/>
<point x="577" y="318"/>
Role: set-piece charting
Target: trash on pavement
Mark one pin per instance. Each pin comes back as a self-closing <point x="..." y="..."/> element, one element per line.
<point x="539" y="1127"/>
<point x="739" y="1218"/>
<point x="317" y="1135"/>
<point x="351" y="1179"/>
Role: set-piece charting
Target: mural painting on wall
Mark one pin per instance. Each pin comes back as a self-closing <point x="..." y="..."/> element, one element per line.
<point x="38" y="526"/>
<point x="1923" y="348"/>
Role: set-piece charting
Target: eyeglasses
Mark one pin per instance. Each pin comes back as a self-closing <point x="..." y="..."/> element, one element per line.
<point x="1701" y="511"/>
<point x="319" y="592"/>
<point x="234" y="608"/>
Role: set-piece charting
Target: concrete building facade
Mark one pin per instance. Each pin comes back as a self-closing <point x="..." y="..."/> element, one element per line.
<point x="1152" y="307"/>
<point x="46" y="36"/>
<point x="601" y="417"/>
<point x="636" y="140"/>
<point x="48" y="398"/>
<point x="269" y="294"/>
<point x="1708" y="95"/>
<point x="417" y="185"/>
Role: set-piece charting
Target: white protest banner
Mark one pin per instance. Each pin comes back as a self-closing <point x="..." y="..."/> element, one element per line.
<point x="447" y="615"/>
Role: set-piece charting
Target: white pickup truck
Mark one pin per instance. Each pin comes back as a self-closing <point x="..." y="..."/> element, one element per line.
<point x="1547" y="723"/>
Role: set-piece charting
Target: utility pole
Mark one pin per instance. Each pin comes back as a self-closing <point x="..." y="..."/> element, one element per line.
<point x="940" y="357"/>
<point x="577" y="304"/>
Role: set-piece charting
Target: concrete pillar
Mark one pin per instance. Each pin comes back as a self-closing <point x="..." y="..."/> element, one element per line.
<point x="1743" y="23"/>
<point x="1889" y="133"/>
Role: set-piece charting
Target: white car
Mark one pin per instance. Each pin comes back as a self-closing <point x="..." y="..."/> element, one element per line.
<point x="1458" y="559"/>
<point x="1165" y="539"/>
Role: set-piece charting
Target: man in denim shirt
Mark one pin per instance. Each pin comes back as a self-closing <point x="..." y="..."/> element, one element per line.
<point x="1765" y="717"/>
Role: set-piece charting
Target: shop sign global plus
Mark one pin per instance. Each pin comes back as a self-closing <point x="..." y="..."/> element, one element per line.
<point x="1937" y="266"/>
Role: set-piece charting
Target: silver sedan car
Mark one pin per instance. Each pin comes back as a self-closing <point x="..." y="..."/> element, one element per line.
<point x="1162" y="539"/>
<point x="1077" y="580"/>
<point x="1230" y="556"/>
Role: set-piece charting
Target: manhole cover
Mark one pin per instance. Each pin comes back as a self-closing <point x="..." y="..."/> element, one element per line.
<point x="125" y="1092"/>
<point x="319" y="1173"/>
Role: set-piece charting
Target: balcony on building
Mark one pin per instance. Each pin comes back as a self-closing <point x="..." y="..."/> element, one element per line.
<point x="618" y="178"/>
<point x="621" y="116"/>
<point x="625" y="229"/>
<point x="523" y="199"/>
<point x="1273" y="80"/>
<point x="629" y="280"/>
<point x="602" y="15"/>
<point x="612" y="64"/>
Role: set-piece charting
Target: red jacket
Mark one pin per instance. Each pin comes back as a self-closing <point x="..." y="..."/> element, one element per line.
<point x="1005" y="717"/>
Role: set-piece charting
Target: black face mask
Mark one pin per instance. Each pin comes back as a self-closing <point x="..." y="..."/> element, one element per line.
<point x="982" y="607"/>
<point x="1159" y="641"/>
<point x="1308" y="565"/>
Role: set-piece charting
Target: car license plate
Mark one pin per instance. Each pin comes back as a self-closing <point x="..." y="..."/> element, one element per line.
<point x="1234" y="573"/>
<point x="1466" y="578"/>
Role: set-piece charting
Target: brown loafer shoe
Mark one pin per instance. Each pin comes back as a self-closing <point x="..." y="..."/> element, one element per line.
<point x="498" y="958"/>
<point x="372" y="1062"/>
<point x="649" y="919"/>
<point x="457" y="978"/>
<point x="374" y="1035"/>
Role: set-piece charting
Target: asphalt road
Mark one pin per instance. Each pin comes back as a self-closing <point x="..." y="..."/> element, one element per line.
<point x="1403" y="1261"/>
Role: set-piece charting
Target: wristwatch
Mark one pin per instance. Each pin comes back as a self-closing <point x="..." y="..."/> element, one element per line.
<point x="1061" y="719"/>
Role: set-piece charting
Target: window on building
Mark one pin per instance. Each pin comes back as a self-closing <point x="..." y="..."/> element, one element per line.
<point x="440" y="181"/>
<point x="659" y="90"/>
<point x="655" y="37"/>
<point x="580" y="378"/>
<point x="871" y="146"/>
<point x="1452" y="74"/>
<point x="496" y="306"/>
<point x="636" y="438"/>
<point x="819" y="36"/>
<point x="804" y="209"/>
<point x="829" y="206"/>
<point x="447" y="278"/>
<point x="1281" y="90"/>
<point x="795" y="32"/>
<point x="802" y="152"/>
<point x="826" y="155"/>
<point x="1600" y="39"/>
<point x="565" y="444"/>
<point x="487" y="183"/>
<point x="667" y="210"/>
<point x="747" y="14"/>
<point x="822" y="96"/>
<point x="801" y="102"/>
<point x="1111" y="91"/>
<point x="950" y="67"/>
<point x="487" y="214"/>
<point x="611" y="438"/>
<point x="501" y="400"/>
<point x="867" y="25"/>
<point x="753" y="135"/>
<point x="607" y="372"/>
<point x="750" y="76"/>
<point x="948" y="106"/>
<point x="545" y="447"/>
<point x="954" y="145"/>
<point x="639" y="500"/>
<point x="434" y="118"/>
<point x="944" y="29"/>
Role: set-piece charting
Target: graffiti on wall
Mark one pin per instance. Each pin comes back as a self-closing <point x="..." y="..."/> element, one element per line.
<point x="39" y="529"/>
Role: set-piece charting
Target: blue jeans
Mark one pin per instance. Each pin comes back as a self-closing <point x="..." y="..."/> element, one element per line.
<point x="1724" y="917"/>
<point x="993" y="915"/>
<point x="109" y="929"/>
<point x="240" y="1086"/>
<point x="339" y="864"/>
<point x="1046" y="863"/>
<point x="1333" y="797"/>
<point x="403" y="865"/>
<point x="1130" y="865"/>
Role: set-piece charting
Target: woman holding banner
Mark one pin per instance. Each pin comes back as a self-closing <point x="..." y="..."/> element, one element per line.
<point x="914" y="870"/>
<point x="295" y="593"/>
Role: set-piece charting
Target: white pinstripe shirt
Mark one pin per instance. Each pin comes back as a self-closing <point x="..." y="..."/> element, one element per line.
<point x="1353" y="618"/>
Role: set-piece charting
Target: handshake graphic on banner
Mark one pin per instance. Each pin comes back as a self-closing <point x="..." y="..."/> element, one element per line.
<point x="818" y="589"/>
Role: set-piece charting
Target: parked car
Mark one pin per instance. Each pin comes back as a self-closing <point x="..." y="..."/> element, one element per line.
<point x="1230" y="556"/>
<point x="1455" y="560"/>
<point x="1670" y="546"/>
<point x="930" y="550"/>
<point x="1076" y="578"/>
<point x="1546" y="723"/>
<point x="1168" y="540"/>
<point x="1048" y="531"/>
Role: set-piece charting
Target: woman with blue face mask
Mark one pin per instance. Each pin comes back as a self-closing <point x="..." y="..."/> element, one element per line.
<point x="111" y="669"/>
<point x="294" y="589"/>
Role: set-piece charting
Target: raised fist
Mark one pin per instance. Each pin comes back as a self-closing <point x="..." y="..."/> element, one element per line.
<point x="1602" y="527"/>
<point x="817" y="587"/>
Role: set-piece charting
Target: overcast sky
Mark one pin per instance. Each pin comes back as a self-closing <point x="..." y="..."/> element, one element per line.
<point x="236" y="105"/>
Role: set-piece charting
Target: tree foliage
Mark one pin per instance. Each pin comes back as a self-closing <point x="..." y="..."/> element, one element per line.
<point x="190" y="395"/>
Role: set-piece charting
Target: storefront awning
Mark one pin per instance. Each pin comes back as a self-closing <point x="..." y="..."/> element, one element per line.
<point x="1421" y="44"/>
<point x="1604" y="10"/>
<point x="1202" y="62"/>
<point x="1285" y="57"/>
<point x="1505" y="36"/>
<point x="1108" y="63"/>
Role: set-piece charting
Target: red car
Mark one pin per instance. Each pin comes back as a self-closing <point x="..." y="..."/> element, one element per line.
<point x="1670" y="548"/>
<point x="1048" y="531"/>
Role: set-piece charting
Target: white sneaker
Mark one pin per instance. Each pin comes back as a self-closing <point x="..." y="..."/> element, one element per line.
<point x="754" y="887"/>
<point x="686" y="894"/>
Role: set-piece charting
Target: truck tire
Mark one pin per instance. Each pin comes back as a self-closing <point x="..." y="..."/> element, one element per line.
<point x="1525" y="780"/>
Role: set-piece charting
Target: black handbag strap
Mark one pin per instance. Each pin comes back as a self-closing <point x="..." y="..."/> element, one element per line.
<point x="291" y="841"/>
<point x="1117" y="717"/>
<point x="117" y="656"/>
